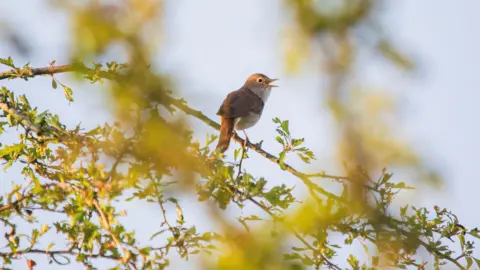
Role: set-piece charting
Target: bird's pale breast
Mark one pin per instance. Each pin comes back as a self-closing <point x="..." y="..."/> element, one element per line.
<point x="242" y="123"/>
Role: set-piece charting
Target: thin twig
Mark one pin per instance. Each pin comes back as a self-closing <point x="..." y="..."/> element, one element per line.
<point x="240" y="164"/>
<point x="15" y="203"/>
<point x="165" y="220"/>
<point x="107" y="227"/>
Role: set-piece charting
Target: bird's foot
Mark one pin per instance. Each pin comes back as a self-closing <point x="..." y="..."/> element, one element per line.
<point x="255" y="145"/>
<point x="259" y="144"/>
<point x="245" y="143"/>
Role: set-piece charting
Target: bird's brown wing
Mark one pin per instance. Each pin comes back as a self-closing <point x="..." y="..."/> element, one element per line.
<point x="240" y="103"/>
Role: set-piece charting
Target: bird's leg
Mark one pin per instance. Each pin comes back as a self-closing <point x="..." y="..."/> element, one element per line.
<point x="246" y="140"/>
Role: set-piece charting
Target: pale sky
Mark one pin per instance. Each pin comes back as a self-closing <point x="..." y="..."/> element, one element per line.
<point x="212" y="46"/>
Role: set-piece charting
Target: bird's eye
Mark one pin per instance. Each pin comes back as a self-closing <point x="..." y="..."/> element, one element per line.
<point x="260" y="80"/>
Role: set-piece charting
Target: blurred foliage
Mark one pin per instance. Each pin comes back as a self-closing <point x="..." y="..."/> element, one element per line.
<point x="150" y="154"/>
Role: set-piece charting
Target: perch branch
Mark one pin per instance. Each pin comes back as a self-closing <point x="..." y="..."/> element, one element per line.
<point x="178" y="103"/>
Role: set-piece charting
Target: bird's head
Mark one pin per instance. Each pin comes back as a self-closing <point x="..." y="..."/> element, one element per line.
<point x="259" y="80"/>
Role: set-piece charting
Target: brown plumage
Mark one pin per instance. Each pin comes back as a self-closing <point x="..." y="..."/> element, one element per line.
<point x="226" y="132"/>
<point x="242" y="108"/>
<point x="238" y="104"/>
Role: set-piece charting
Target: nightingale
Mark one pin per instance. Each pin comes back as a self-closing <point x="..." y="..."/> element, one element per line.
<point x="242" y="108"/>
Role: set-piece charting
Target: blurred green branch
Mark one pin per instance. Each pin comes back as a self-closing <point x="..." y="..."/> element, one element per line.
<point x="28" y="72"/>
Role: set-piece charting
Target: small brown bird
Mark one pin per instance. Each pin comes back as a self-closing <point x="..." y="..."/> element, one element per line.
<point x="242" y="108"/>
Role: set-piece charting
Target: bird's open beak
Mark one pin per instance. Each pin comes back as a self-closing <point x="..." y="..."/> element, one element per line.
<point x="270" y="81"/>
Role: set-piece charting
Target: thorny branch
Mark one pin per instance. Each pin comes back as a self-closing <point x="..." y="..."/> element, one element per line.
<point x="57" y="252"/>
<point x="179" y="103"/>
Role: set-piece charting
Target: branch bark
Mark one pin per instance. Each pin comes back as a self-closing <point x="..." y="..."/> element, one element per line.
<point x="32" y="72"/>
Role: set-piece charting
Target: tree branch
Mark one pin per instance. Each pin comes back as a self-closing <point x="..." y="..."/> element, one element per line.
<point x="180" y="104"/>
<point x="15" y="203"/>
<point x="25" y="73"/>
<point x="58" y="252"/>
<point x="24" y="119"/>
<point x="32" y="72"/>
<point x="107" y="227"/>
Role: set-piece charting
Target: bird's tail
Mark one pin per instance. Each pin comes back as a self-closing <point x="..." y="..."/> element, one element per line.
<point x="226" y="132"/>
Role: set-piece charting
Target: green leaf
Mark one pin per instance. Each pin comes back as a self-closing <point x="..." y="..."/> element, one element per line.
<point x="3" y="123"/>
<point x="402" y="185"/>
<point x="24" y="100"/>
<point x="292" y="256"/>
<point x="223" y="198"/>
<point x="375" y="260"/>
<point x="13" y="151"/>
<point x="144" y="251"/>
<point x="281" y="160"/>
<point x="157" y="234"/>
<point x="252" y="217"/>
<point x="462" y="241"/>
<point x="10" y="120"/>
<point x="392" y="54"/>
<point x="352" y="261"/>
<point x="475" y="233"/>
<point x="44" y="228"/>
<point x="68" y="93"/>
<point x="49" y="246"/>
<point x="285" y="127"/>
<point x="386" y="177"/>
<point x="7" y="62"/>
<point x="81" y="257"/>
<point x="307" y="261"/>
<point x="235" y="153"/>
<point x="469" y="262"/>
<point x="403" y="210"/>
<point x="54" y="84"/>
<point x="272" y="197"/>
<point x="297" y="142"/>
<point x="280" y="140"/>
<point x="303" y="157"/>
